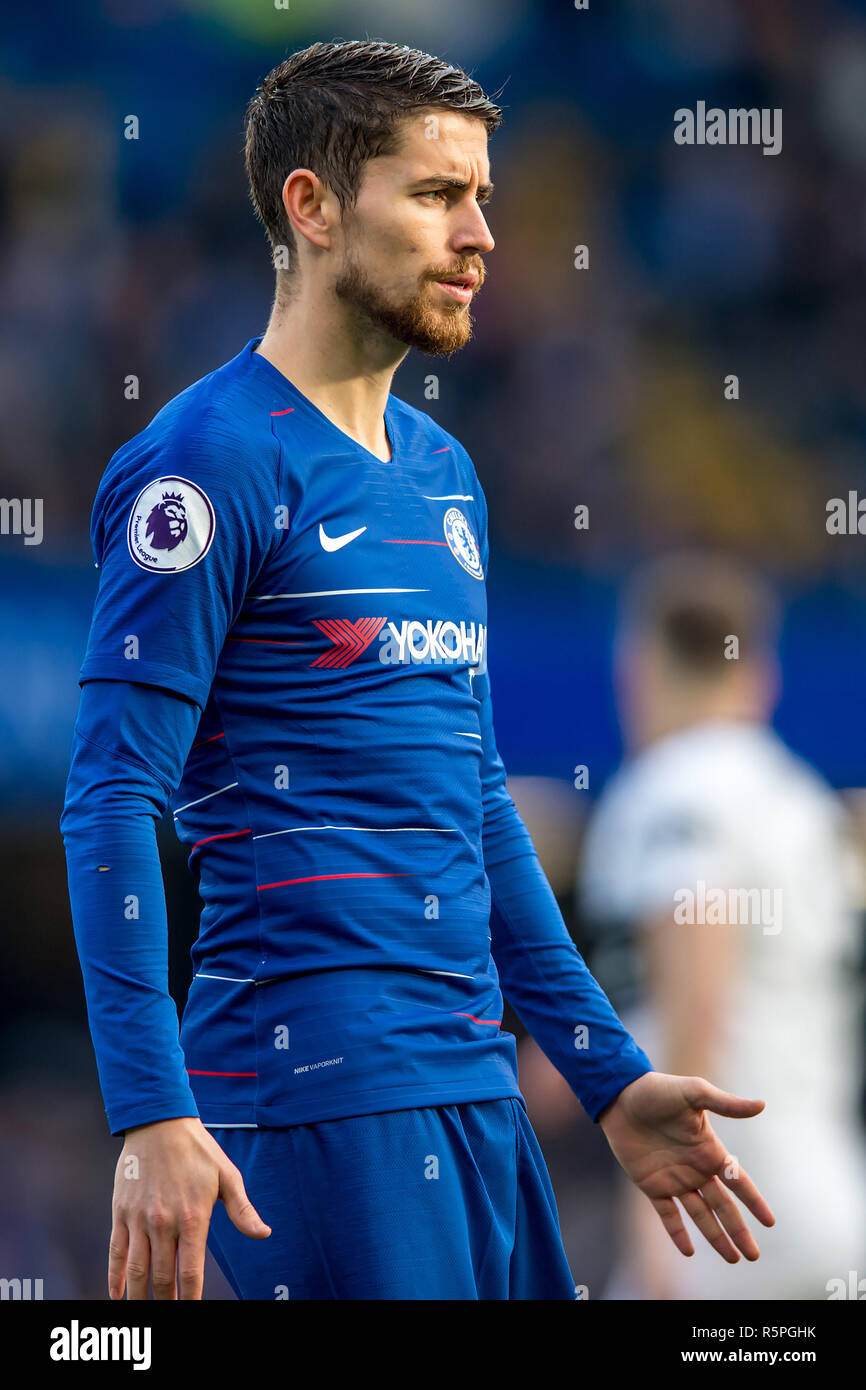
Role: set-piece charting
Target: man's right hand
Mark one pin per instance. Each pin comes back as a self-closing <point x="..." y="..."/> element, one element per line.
<point x="168" y="1178"/>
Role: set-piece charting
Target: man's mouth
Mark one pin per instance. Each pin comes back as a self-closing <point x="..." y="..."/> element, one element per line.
<point x="460" y="287"/>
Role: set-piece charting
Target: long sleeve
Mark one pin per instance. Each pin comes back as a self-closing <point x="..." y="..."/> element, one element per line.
<point x="129" y="748"/>
<point x="541" y="971"/>
<point x="160" y="620"/>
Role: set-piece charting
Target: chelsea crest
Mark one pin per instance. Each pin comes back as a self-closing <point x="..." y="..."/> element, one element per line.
<point x="461" y="542"/>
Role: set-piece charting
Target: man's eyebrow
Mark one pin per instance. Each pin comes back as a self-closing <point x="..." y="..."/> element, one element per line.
<point x="450" y="181"/>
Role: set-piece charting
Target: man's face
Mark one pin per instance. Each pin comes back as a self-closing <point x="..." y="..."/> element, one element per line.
<point x="418" y="222"/>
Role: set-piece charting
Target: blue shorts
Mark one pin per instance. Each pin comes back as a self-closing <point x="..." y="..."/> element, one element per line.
<point x="444" y="1202"/>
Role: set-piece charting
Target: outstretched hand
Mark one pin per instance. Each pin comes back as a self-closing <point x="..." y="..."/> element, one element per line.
<point x="661" y="1136"/>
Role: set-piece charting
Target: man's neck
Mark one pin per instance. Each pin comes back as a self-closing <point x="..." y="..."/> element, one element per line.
<point x="677" y="721"/>
<point x="344" y="368"/>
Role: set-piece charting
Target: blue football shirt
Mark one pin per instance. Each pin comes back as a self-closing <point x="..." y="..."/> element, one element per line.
<point x="327" y="612"/>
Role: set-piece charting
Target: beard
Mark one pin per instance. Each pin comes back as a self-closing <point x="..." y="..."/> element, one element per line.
<point x="415" y="321"/>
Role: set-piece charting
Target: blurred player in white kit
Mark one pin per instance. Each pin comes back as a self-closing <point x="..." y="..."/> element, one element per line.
<point x="761" y="990"/>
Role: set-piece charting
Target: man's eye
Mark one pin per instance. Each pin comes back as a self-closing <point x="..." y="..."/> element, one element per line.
<point x="481" y="198"/>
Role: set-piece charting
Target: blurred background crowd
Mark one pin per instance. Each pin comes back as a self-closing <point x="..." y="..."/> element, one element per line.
<point x="599" y="387"/>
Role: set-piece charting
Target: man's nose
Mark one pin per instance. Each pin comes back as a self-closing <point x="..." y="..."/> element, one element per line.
<point x="474" y="234"/>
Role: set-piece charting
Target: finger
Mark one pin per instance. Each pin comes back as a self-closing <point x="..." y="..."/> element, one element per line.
<point x="729" y="1216"/>
<point x="163" y="1261"/>
<point x="118" y="1246"/>
<point x="137" y="1264"/>
<point x="703" y="1095"/>
<point x="708" y="1225"/>
<point x="743" y="1187"/>
<point x="673" y="1223"/>
<point x="191" y="1249"/>
<point x="240" y="1209"/>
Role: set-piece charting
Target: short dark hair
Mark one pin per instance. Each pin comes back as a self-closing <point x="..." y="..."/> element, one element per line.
<point x="689" y="604"/>
<point x="333" y="106"/>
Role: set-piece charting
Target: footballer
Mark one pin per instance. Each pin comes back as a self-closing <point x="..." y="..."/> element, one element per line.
<point x="288" y="649"/>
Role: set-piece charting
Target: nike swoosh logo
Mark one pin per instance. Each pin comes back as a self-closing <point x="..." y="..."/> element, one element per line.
<point x="337" y="542"/>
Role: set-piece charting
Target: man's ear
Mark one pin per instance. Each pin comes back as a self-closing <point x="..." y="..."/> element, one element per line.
<point x="311" y="207"/>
